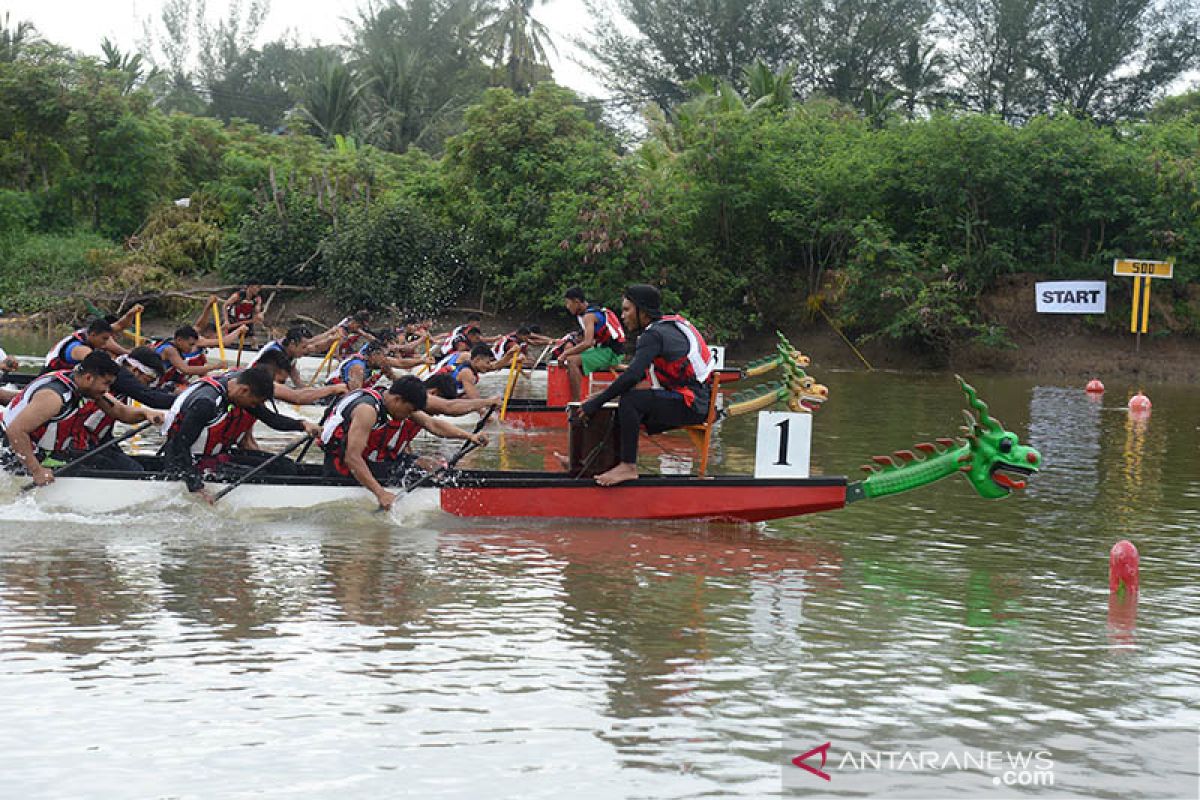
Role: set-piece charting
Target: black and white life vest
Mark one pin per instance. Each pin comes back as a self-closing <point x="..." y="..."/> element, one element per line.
<point x="56" y="433"/>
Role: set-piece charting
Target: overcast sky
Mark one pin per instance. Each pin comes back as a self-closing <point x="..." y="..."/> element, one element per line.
<point x="81" y="24"/>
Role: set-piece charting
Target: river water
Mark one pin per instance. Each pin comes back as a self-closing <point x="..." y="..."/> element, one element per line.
<point x="187" y="653"/>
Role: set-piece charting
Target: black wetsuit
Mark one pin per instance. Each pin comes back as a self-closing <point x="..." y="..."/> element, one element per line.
<point x="657" y="409"/>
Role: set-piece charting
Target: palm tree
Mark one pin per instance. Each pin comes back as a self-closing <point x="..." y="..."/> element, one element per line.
<point x="131" y="64"/>
<point x="14" y="40"/>
<point x="517" y="43"/>
<point x="330" y="99"/>
<point x="767" y="88"/>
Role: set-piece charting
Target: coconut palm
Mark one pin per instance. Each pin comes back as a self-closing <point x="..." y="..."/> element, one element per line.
<point x="330" y="99"/>
<point x="517" y="43"/>
<point x="13" y="40"/>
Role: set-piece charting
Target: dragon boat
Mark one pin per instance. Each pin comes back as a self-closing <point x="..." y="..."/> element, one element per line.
<point x="992" y="459"/>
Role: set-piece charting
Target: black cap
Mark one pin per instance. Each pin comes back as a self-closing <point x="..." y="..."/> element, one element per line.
<point x="646" y="298"/>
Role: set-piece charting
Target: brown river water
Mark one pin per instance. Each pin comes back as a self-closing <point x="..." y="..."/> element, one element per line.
<point x="933" y="639"/>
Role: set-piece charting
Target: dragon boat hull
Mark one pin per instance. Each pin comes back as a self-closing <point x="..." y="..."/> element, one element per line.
<point x="471" y="494"/>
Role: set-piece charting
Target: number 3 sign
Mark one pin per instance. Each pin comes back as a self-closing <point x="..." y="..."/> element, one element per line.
<point x="783" y="445"/>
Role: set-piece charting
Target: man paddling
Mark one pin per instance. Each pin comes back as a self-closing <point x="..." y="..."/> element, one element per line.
<point x="602" y="344"/>
<point x="184" y="358"/>
<point x="40" y="421"/>
<point x="678" y="362"/>
<point x="281" y="368"/>
<point x="506" y="347"/>
<point x="208" y="428"/>
<point x="365" y="434"/>
<point x="294" y="345"/>
<point x="136" y="375"/>
<point x="363" y="368"/>
<point x="71" y="350"/>
<point x="245" y="307"/>
<point x="466" y="369"/>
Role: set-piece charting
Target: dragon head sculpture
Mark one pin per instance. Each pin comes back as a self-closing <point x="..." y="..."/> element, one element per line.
<point x="996" y="463"/>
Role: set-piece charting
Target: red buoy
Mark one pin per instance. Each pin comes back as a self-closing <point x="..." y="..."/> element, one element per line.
<point x="1123" y="567"/>
<point x="1139" y="403"/>
<point x="1094" y="386"/>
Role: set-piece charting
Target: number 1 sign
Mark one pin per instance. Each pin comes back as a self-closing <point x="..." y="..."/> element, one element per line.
<point x="783" y="445"/>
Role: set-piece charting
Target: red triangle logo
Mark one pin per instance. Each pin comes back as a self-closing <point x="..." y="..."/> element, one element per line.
<point x="800" y="759"/>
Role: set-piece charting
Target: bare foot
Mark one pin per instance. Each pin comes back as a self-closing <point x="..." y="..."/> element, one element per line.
<point x="618" y="474"/>
<point x="563" y="461"/>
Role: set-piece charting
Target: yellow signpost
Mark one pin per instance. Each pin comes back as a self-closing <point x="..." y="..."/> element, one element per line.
<point x="1141" y="270"/>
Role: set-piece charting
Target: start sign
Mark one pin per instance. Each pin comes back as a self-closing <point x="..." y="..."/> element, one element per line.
<point x="1071" y="297"/>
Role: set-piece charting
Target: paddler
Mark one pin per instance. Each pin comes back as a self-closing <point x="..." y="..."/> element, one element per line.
<point x="506" y="347"/>
<point x="456" y="339"/>
<point x="42" y="419"/>
<point x="466" y="369"/>
<point x="673" y="354"/>
<point x="603" y="341"/>
<point x="367" y="431"/>
<point x="351" y="333"/>
<point x="70" y="351"/>
<point x="363" y="368"/>
<point x="295" y="344"/>
<point x="208" y="428"/>
<point x="184" y="357"/>
<point x="442" y="394"/>
<point x="137" y="373"/>
<point x="245" y="307"/>
<point x="281" y="368"/>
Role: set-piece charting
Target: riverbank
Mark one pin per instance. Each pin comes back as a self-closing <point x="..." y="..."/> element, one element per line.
<point x="1054" y="347"/>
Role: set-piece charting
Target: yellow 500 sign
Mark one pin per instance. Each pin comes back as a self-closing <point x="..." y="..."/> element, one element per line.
<point x="1140" y="268"/>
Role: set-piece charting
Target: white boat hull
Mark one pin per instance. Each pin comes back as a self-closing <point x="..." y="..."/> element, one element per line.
<point x="106" y="495"/>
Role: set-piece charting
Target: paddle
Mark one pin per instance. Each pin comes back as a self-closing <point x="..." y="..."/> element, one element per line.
<point x="220" y="335"/>
<point x="261" y="467"/>
<point x="467" y="447"/>
<point x="514" y="370"/>
<point x="110" y="443"/>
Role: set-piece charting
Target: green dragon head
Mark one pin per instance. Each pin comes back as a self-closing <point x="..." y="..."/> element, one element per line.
<point x="994" y="454"/>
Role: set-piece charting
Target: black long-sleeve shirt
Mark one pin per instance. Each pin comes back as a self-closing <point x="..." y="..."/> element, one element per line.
<point x="194" y="418"/>
<point x="127" y="385"/>
<point x="658" y="340"/>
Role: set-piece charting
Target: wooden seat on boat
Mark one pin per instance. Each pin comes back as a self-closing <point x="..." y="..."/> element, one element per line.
<point x="701" y="434"/>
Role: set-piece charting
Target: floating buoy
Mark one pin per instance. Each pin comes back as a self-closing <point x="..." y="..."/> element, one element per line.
<point x="1139" y="403"/>
<point x="1094" y="386"/>
<point x="1123" y="567"/>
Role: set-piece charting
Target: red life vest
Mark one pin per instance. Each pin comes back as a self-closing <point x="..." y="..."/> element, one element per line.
<point x="608" y="330"/>
<point x="508" y="342"/>
<point x="90" y="426"/>
<point x="388" y="442"/>
<point x="685" y="374"/>
<point x="244" y="309"/>
<point x="197" y="358"/>
<point x="351" y="341"/>
<point x="55" y="434"/>
<point x="59" y="357"/>
<point x="336" y="425"/>
<point x="220" y="433"/>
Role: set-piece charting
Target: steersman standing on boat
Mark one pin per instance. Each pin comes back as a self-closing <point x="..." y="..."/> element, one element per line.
<point x="673" y="354"/>
<point x="41" y="421"/>
<point x="367" y="431"/>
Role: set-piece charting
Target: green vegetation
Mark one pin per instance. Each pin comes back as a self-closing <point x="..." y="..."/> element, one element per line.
<point x="431" y="157"/>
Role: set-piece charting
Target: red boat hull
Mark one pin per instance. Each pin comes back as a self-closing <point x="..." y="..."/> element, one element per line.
<point x="658" y="497"/>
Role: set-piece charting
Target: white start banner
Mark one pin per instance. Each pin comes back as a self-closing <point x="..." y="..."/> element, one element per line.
<point x="1071" y="297"/>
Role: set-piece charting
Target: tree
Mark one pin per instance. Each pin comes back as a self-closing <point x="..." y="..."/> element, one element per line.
<point x="680" y="40"/>
<point x="850" y="49"/>
<point x="14" y="40"/>
<point x="330" y="99"/>
<point x="994" y="46"/>
<point x="419" y="68"/>
<point x="1109" y="59"/>
<point x="517" y="44"/>
<point x="130" y="65"/>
